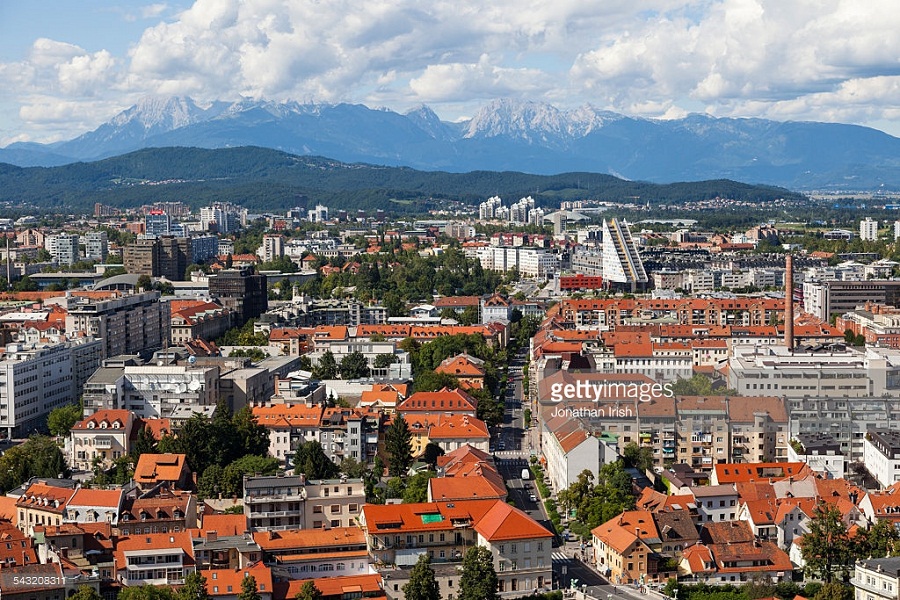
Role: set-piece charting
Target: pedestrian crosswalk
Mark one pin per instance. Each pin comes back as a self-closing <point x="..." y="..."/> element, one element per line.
<point x="560" y="557"/>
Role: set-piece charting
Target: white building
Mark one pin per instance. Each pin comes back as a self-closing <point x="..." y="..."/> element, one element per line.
<point x="272" y="248"/>
<point x="868" y="230"/>
<point x="318" y="215"/>
<point x="715" y="502"/>
<point x="881" y="455"/>
<point x="37" y="378"/>
<point x="96" y="246"/>
<point x="877" y="579"/>
<point x="621" y="262"/>
<point x="821" y="452"/>
<point x="63" y="247"/>
<point x="569" y="449"/>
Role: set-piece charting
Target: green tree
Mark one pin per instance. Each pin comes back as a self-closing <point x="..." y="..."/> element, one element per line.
<point x="637" y="457"/>
<point x="431" y="453"/>
<point x="398" y="443"/>
<point x="417" y="488"/>
<point x="383" y="361"/>
<point x="312" y="461"/>
<point x="60" y="420"/>
<point x="86" y="592"/>
<point x="827" y="548"/>
<point x="194" y="588"/>
<point x="834" y="590"/>
<point x="422" y="584"/>
<point x="354" y="366"/>
<point x="146" y="592"/>
<point x="249" y="589"/>
<point x="478" y="580"/>
<point x="233" y="474"/>
<point x="353" y="469"/>
<point x="254" y="438"/>
<point x="209" y="484"/>
<point x="144" y="282"/>
<point x="309" y="591"/>
<point x="326" y="367"/>
<point x="144" y="443"/>
<point x="880" y="540"/>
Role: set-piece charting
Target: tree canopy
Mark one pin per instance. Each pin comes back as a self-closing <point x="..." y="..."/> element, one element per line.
<point x="478" y="580"/>
<point x="398" y="444"/>
<point x="311" y="460"/>
<point x="422" y="584"/>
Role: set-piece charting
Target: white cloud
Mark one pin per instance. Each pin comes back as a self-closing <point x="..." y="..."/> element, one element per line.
<point x="812" y="59"/>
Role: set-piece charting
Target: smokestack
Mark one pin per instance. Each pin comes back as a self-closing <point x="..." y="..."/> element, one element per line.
<point x="789" y="302"/>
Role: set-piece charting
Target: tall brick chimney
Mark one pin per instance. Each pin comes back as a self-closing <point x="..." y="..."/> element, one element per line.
<point x="789" y="302"/>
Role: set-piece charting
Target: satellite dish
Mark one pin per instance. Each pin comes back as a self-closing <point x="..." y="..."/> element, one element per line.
<point x="194" y="385"/>
<point x="192" y="360"/>
<point x="181" y="388"/>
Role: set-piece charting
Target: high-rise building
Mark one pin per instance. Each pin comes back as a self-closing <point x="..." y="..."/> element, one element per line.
<point x="272" y="248"/>
<point x="63" y="247"/>
<point x="96" y="246"/>
<point x="621" y="262"/>
<point x="156" y="222"/>
<point x="132" y="324"/>
<point x="204" y="248"/>
<point x="39" y="378"/>
<point x="318" y="215"/>
<point x="175" y="254"/>
<point x="241" y="291"/>
<point x="165" y="256"/>
<point x="868" y="230"/>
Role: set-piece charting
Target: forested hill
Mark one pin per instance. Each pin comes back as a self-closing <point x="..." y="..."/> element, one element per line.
<point x="263" y="179"/>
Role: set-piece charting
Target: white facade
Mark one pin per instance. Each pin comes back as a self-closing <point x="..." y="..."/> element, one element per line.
<point x="38" y="378"/>
<point x="318" y="215"/>
<point x="63" y="247"/>
<point x="877" y="579"/>
<point x="868" y="230"/>
<point x="566" y="461"/>
<point x="881" y="456"/>
<point x="716" y="502"/>
<point x="96" y="246"/>
<point x="272" y="248"/>
<point x="155" y="392"/>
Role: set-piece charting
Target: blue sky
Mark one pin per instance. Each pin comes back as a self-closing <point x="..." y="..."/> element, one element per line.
<point x="67" y="66"/>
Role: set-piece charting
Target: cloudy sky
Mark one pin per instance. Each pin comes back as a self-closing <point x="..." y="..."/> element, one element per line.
<point x="66" y="66"/>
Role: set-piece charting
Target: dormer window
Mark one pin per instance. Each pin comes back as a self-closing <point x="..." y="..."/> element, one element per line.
<point x="116" y="425"/>
<point x="91" y="425"/>
<point x="104" y="425"/>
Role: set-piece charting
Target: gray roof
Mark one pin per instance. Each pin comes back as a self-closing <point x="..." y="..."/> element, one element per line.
<point x="887" y="565"/>
<point x="117" y="282"/>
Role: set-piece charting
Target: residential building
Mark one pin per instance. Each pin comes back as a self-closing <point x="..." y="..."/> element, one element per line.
<point x="154" y="559"/>
<point x="868" y="230"/>
<point x="96" y="246"/>
<point x="159" y="510"/>
<point x="37" y="378"/>
<point x="821" y="451"/>
<point x="881" y="455"/>
<point x="103" y="436"/>
<point x="292" y="502"/>
<point x="315" y="553"/>
<point x="43" y="503"/>
<point x="166" y="469"/>
<point x="63" y="247"/>
<point x="131" y="324"/>
<point x="397" y="534"/>
<point x="876" y="579"/>
<point x="156" y="223"/>
<point x="198" y="319"/>
<point x="242" y="292"/>
<point x="622" y="265"/>
<point x="94" y="506"/>
<point x="272" y="248"/>
<point x="715" y="503"/>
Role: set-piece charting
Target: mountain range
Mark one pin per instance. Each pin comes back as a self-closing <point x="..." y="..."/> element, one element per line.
<point x="503" y="135"/>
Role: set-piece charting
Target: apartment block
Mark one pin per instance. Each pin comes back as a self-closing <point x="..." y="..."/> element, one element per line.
<point x="276" y="503"/>
<point x="132" y="324"/>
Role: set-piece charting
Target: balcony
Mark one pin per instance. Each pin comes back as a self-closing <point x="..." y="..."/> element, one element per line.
<point x="103" y="443"/>
<point x="276" y="497"/>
